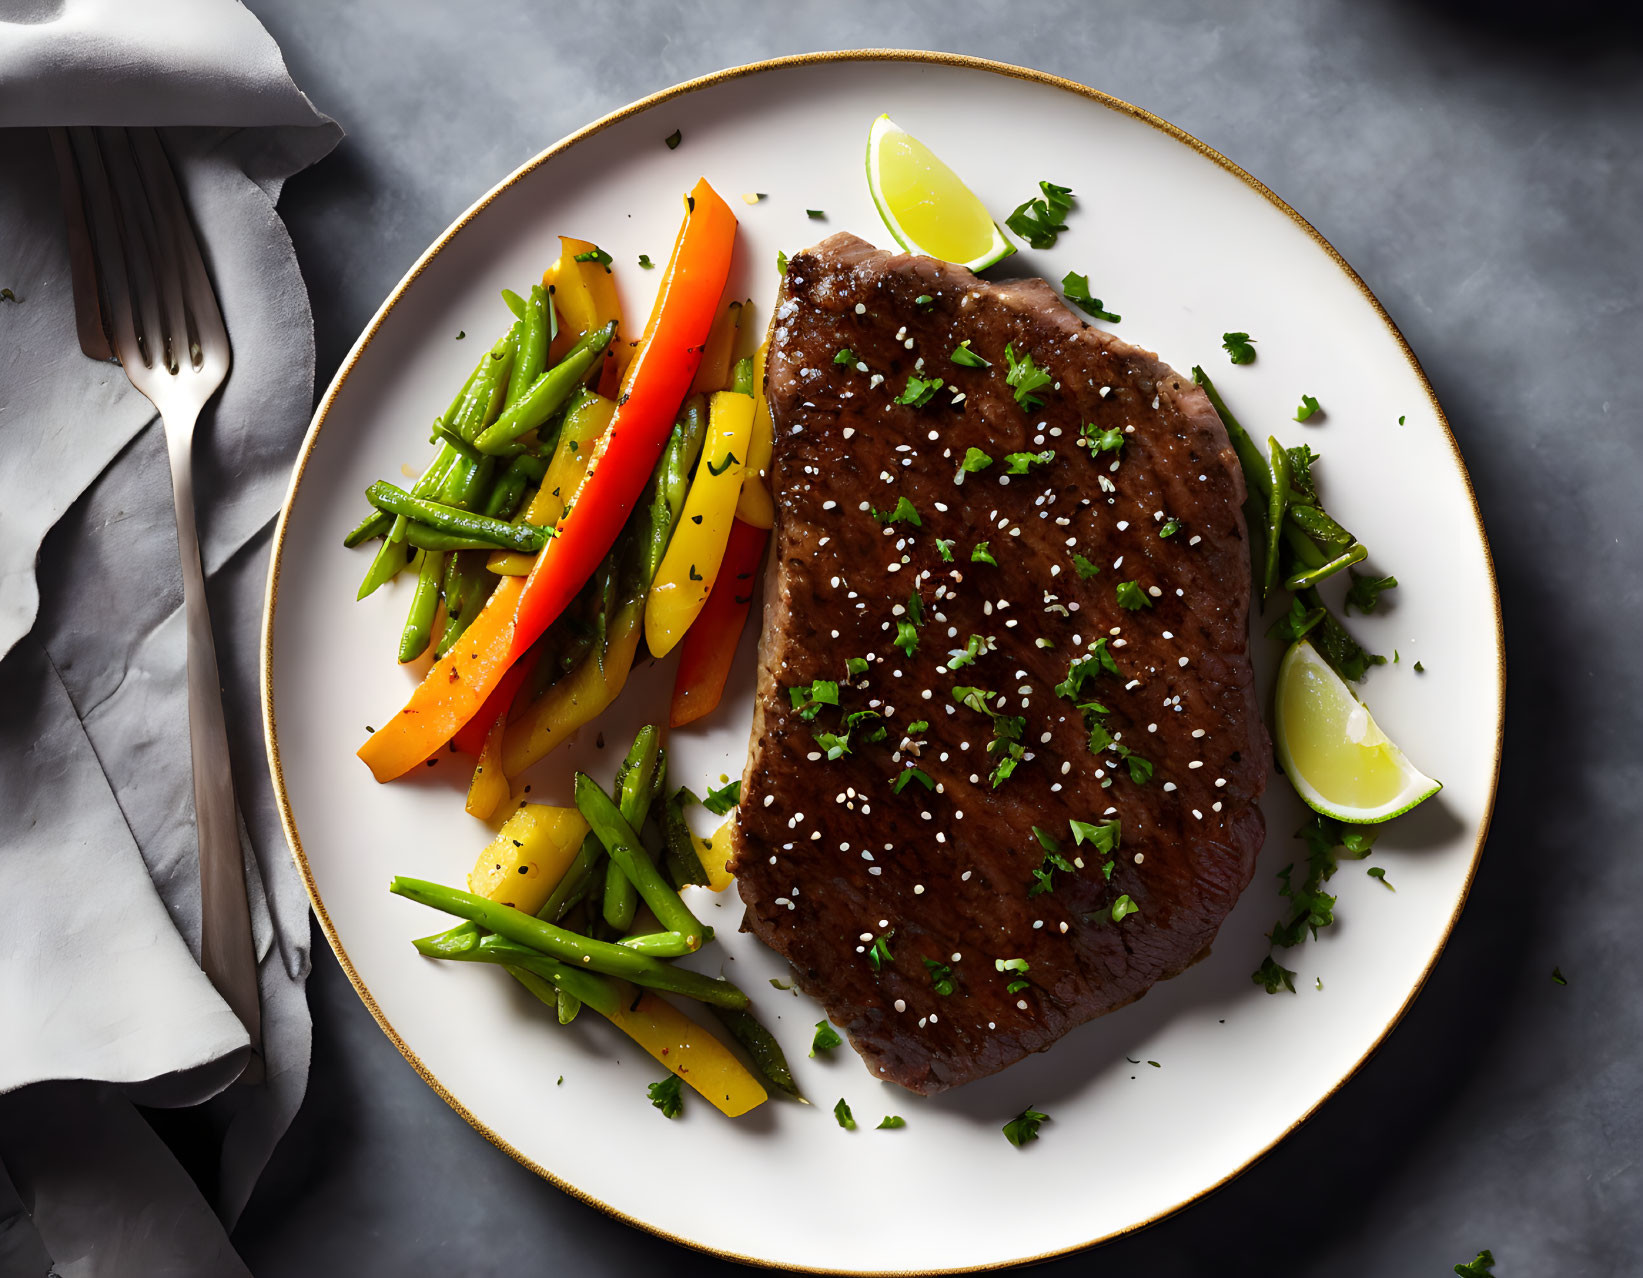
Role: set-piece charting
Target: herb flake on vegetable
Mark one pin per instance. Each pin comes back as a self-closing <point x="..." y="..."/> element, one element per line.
<point x="595" y="254"/>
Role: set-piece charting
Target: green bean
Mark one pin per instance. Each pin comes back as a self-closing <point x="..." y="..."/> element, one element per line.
<point x="528" y="365"/>
<point x="741" y="377"/>
<point x="473" y="587"/>
<point x="1312" y="576"/>
<point x="508" y="493"/>
<point x="514" y="303"/>
<point x="573" y="884"/>
<point x="1249" y="456"/>
<point x="461" y="523"/>
<point x="390" y="558"/>
<point x="450" y="943"/>
<point x="1277" y="504"/>
<point x="581" y="951"/>
<point x="1303" y="549"/>
<point x="1316" y="523"/>
<point x="665" y="494"/>
<point x="762" y="1047"/>
<point x="443" y="434"/>
<point x="656" y="944"/>
<point x="373" y="525"/>
<point x="484" y="397"/>
<point x="547" y="393"/>
<point x="425" y="537"/>
<point x="419" y="621"/>
<point x="683" y="862"/>
<point x="633" y="787"/>
<point x="618" y="836"/>
<point x="464" y="944"/>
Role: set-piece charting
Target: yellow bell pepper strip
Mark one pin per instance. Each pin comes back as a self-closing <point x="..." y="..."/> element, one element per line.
<point x="529" y="856"/>
<point x="489" y="788"/>
<point x="691" y="563"/>
<point x="709" y="645"/>
<point x="716" y="858"/>
<point x="585" y="294"/>
<point x="672" y="1038"/>
<point x="655" y="386"/>
<point x="587" y="418"/>
<point x="755" y="506"/>
<point x="713" y="374"/>
<point x="451" y="692"/>
<point x="575" y="699"/>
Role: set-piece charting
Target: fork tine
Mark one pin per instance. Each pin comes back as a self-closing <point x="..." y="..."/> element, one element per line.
<point x="146" y="265"/>
<point x="205" y="316"/>
<point x="107" y="244"/>
<point x="90" y="318"/>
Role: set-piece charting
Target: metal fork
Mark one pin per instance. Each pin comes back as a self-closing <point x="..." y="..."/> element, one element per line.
<point x="141" y="283"/>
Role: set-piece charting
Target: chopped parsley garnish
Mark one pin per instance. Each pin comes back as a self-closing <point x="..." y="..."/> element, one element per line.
<point x="958" y="658"/>
<point x="1077" y="289"/>
<point x="944" y="546"/>
<point x="1296" y="622"/>
<point x="1558" y="977"/>
<point x="915" y="608"/>
<point x="1400" y="419"/>
<point x="906" y="637"/>
<point x="891" y="1122"/>
<point x="1102" y="441"/>
<point x="1301" y="458"/>
<point x="461" y="333"/>
<point x="817" y="214"/>
<point x="1240" y="347"/>
<point x="917" y="726"/>
<point x="1274" y="976"/>
<point x="781" y="262"/>
<point x="8" y="295"/>
<point x="781" y="985"/>
<point x="730" y="459"/>
<point x="837" y="745"/>
<point x="1375" y="872"/>
<point x="1170" y="528"/>
<point x="964" y="357"/>
<point x="1481" y="1266"/>
<point x="903" y="512"/>
<point x="595" y="254"/>
<point x="645" y="262"/>
<point x="1085" y="568"/>
<point x="724" y="798"/>
<point x="1123" y="907"/>
<point x="1365" y="591"/>
<point x="981" y="555"/>
<point x="975" y="698"/>
<point x="1024" y="1126"/>
<point x="809" y="699"/>
<point x="827" y="1038"/>
<point x="1038" y="220"/>
<point x="907" y="775"/>
<point x="856" y="666"/>
<point x="940" y="976"/>
<point x="1081" y="669"/>
<point x="1006" y="744"/>
<point x="1307" y="408"/>
<point x="1025" y="377"/>
<point x="1103" y="836"/>
<point x="923" y="299"/>
<point x="1345" y="655"/>
<point x="666" y="1097"/>
<point x="1132" y="597"/>
<point x="879" y="953"/>
<point x="1044" y="874"/>
<point x="847" y="1120"/>
<point x="1310" y="906"/>
<point x="974" y="460"/>
<point x="1419" y="669"/>
<point x="845" y="356"/>
<point x="919" y="391"/>
<point x="1017" y="965"/>
<point x="673" y="139"/>
<point x="1140" y="769"/>
<point x="1046" y="840"/>
<point x="1021" y="463"/>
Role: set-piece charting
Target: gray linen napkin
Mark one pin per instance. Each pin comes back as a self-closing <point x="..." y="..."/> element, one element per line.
<point x="99" y="899"/>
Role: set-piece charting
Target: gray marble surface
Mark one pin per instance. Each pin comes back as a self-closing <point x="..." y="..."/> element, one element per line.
<point x="1484" y="172"/>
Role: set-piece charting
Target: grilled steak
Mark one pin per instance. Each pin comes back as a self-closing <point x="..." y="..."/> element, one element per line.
<point x="1055" y="637"/>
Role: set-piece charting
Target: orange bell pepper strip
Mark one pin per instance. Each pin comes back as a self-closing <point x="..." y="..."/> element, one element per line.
<point x="714" y="371"/>
<point x="452" y="692"/>
<point x="710" y="644"/>
<point x="656" y="384"/>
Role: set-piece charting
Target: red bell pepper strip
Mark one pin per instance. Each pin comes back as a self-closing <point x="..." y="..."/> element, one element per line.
<point x="462" y="681"/>
<point x="657" y="382"/>
<point x="709" y="645"/>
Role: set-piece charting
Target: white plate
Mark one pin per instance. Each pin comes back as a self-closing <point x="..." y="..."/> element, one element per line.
<point x="1185" y="246"/>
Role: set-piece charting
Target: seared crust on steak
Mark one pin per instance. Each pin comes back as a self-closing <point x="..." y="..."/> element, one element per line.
<point x="828" y="857"/>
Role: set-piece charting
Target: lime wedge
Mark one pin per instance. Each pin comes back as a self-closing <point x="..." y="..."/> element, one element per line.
<point x="1334" y="755"/>
<point x="925" y="205"/>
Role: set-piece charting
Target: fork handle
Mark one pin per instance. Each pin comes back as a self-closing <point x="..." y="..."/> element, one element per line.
<point x="227" y="955"/>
